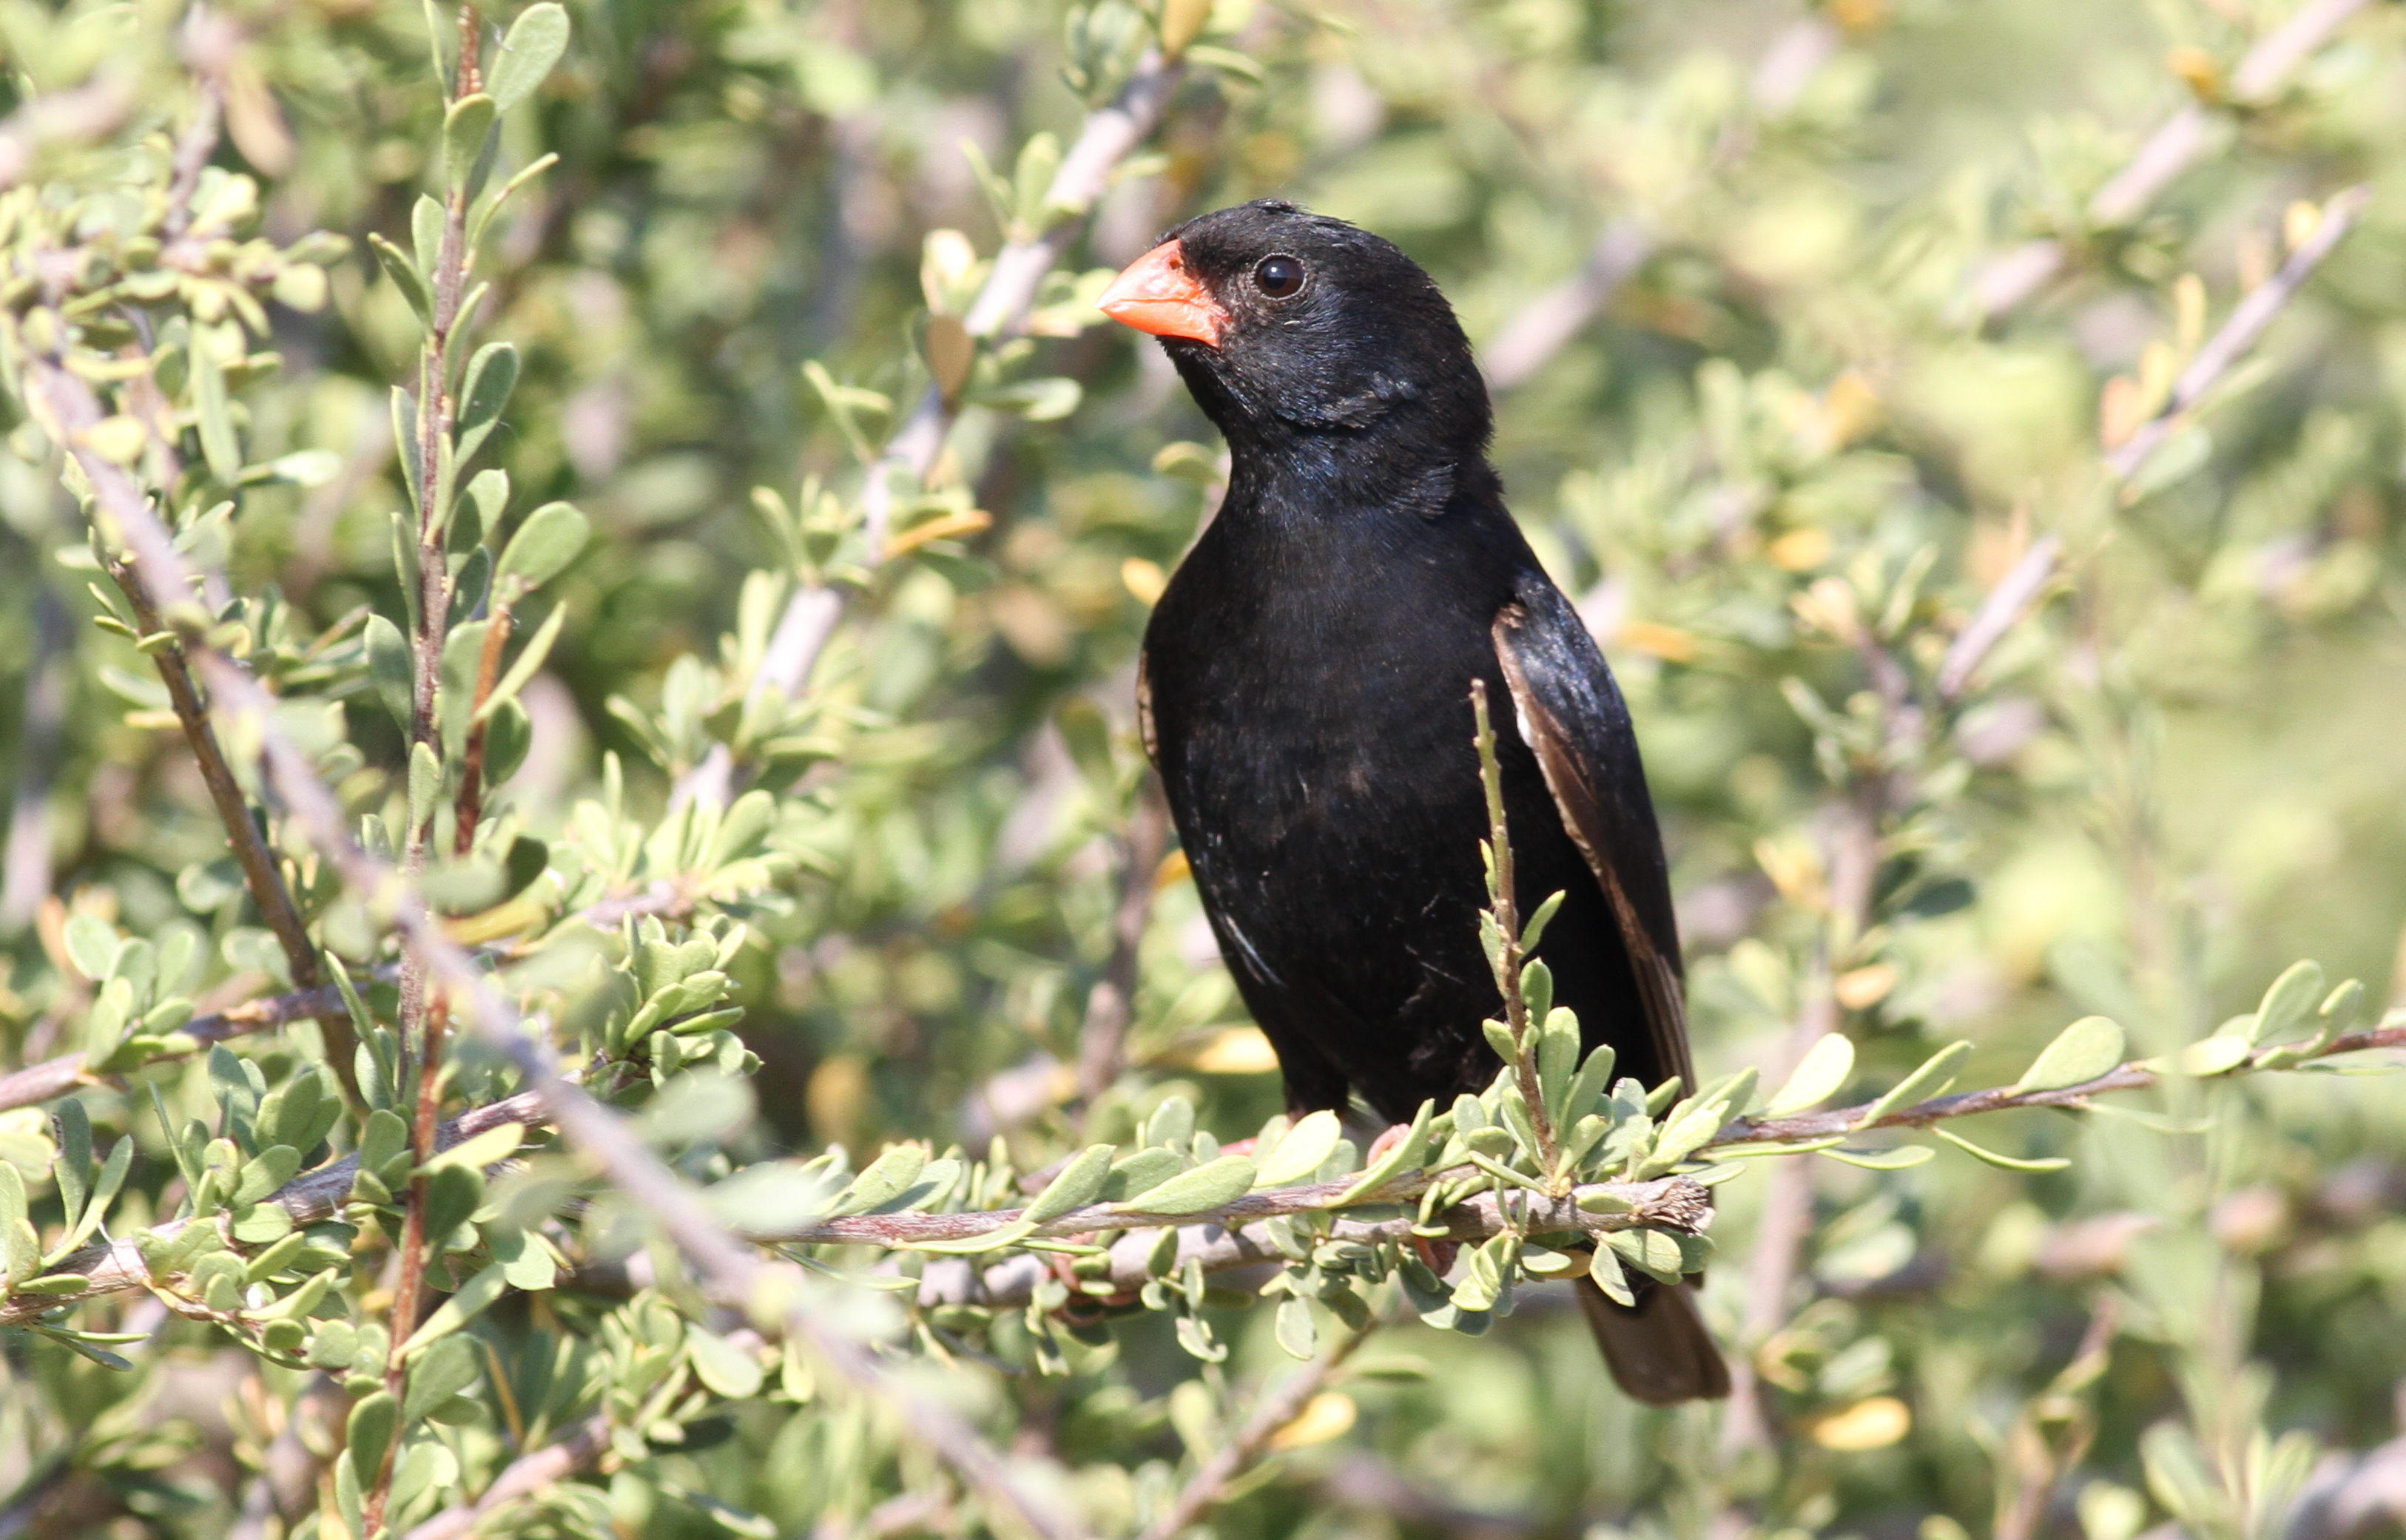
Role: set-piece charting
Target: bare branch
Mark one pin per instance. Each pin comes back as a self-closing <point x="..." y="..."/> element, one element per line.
<point x="2246" y="325"/>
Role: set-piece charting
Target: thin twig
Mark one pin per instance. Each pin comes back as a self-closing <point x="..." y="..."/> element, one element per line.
<point x="1103" y="1037"/>
<point x="469" y="810"/>
<point x="1508" y="959"/>
<point x="1998" y="615"/>
<point x="312" y="1197"/>
<point x="422" y="1011"/>
<point x="260" y="871"/>
<point x="38" y="1083"/>
<point x="1210" y="1484"/>
<point x="526" y="1476"/>
<point x="1540" y="329"/>
<point x="1673" y="1203"/>
<point x="2246" y="325"/>
<point x="2008" y="280"/>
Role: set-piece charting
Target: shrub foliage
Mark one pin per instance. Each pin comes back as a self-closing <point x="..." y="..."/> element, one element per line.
<point x="588" y="947"/>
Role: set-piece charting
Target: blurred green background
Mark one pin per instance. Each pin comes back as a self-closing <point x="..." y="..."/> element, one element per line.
<point x="1731" y="265"/>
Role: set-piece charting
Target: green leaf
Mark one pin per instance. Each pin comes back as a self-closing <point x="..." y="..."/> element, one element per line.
<point x="412" y="284"/>
<point x="1214" y="1184"/>
<point x="886" y="1179"/>
<point x="1898" y="1158"/>
<point x="426" y="225"/>
<point x="215" y="418"/>
<point x="1405" y="1154"/>
<point x="73" y="1165"/>
<point x="990" y="1240"/>
<point x="1936" y="1074"/>
<point x="723" y="1366"/>
<point x="467" y="129"/>
<point x="528" y="53"/>
<point x="1080" y="1184"/>
<point x="2089" y="1047"/>
<point x="92" y="946"/>
<point x="543" y="548"/>
<point x="389" y="668"/>
<point x="384" y="1138"/>
<point x="2288" y="1002"/>
<point x="2009" y="1163"/>
<point x="1303" y="1150"/>
<point x="372" y="1423"/>
<point x="2215" y="1056"/>
<point x="425" y="783"/>
<point x="456" y="1311"/>
<point x="437" y="1374"/>
<point x="1816" y="1078"/>
<point x="1296" y="1331"/>
<point x="451" y="1196"/>
<point x="476" y="1153"/>
<point x="483" y="392"/>
<point x="1141" y="1171"/>
<point x="1651" y="1251"/>
<point x="265" y="1172"/>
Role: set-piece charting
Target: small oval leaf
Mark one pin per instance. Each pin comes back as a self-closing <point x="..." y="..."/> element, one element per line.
<point x="544" y="547"/>
<point x="535" y="42"/>
<point x="1301" y="1153"/>
<point x="1817" y="1077"/>
<point x="1213" y="1185"/>
<point x="1080" y="1184"/>
<point x="2089" y="1047"/>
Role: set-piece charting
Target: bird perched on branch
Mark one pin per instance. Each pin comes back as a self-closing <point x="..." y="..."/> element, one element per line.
<point x="1306" y="696"/>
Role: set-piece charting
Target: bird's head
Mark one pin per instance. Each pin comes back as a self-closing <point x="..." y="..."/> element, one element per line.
<point x="1291" y="327"/>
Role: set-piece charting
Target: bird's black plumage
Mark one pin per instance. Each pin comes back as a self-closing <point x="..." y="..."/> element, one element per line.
<point x="1307" y="679"/>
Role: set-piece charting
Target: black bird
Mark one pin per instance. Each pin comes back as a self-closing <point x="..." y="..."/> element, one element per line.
<point x="1305" y="694"/>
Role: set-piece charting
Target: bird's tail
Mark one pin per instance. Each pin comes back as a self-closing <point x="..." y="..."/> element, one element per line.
<point x="1658" y="1348"/>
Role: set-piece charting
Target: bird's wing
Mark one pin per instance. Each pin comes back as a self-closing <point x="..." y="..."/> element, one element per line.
<point x="1571" y="715"/>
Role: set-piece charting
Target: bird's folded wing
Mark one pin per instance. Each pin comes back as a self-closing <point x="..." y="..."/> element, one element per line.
<point x="1571" y="715"/>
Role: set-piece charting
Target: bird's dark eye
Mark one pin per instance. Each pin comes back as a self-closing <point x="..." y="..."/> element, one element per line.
<point x="1280" y="278"/>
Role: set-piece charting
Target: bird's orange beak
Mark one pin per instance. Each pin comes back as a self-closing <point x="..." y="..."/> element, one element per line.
<point x="1157" y="294"/>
